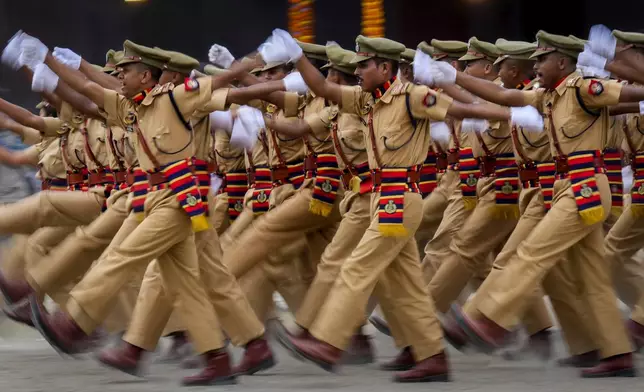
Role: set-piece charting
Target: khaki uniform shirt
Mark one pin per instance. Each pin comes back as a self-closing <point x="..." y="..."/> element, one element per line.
<point x="292" y="149"/>
<point x="350" y="135"/>
<point x="45" y="151"/>
<point x="96" y="137"/>
<point x="575" y="129"/>
<point x="397" y="142"/>
<point x="67" y="126"/>
<point x="635" y="128"/>
<point x="160" y="125"/>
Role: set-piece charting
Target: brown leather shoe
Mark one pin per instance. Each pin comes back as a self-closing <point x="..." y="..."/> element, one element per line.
<point x="257" y="357"/>
<point x="380" y="324"/>
<point x="62" y="333"/>
<point x="403" y="361"/>
<point x="584" y="360"/>
<point x="126" y="358"/>
<point x="453" y="333"/>
<point x="20" y="314"/>
<point x="216" y="372"/>
<point x="617" y="366"/>
<point x="434" y="369"/>
<point x="483" y="333"/>
<point x="308" y="348"/>
<point x="360" y="351"/>
<point x="636" y="331"/>
<point x="15" y="290"/>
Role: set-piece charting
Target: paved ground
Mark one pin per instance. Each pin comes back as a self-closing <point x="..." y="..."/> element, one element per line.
<point x="28" y="364"/>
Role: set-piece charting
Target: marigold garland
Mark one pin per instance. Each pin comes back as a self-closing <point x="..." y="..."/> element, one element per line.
<point x="373" y="18"/>
<point x="301" y="21"/>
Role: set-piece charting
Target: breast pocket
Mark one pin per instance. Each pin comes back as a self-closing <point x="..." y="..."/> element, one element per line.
<point x="394" y="138"/>
<point x="171" y="141"/>
<point x="353" y="139"/>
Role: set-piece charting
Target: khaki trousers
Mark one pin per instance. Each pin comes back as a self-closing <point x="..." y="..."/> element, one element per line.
<point x="480" y="234"/>
<point x="537" y="316"/>
<point x="356" y="216"/>
<point x="27" y="251"/>
<point x="75" y="254"/>
<point x="454" y="215"/>
<point x="219" y="213"/>
<point x="165" y="234"/>
<point x="562" y="235"/>
<point x="51" y="208"/>
<point x="434" y="206"/>
<point x="284" y="224"/>
<point x="622" y="242"/>
<point x="155" y="304"/>
<point x="395" y="258"/>
<point x="281" y="269"/>
<point x="218" y="216"/>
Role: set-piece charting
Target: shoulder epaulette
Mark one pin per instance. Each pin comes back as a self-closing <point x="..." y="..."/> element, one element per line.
<point x="162" y="89"/>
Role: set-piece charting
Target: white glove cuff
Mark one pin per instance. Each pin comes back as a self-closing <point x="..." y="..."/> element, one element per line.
<point x="44" y="79"/>
<point x="642" y="107"/>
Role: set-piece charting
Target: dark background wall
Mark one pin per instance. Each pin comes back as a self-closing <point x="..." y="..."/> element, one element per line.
<point x="90" y="27"/>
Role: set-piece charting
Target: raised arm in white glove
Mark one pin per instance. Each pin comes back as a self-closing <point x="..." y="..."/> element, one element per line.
<point x="422" y="72"/>
<point x="44" y="79"/>
<point x="67" y="57"/>
<point x="527" y="118"/>
<point x="220" y="56"/>
<point x="222" y="120"/>
<point x="295" y="83"/>
<point x="33" y="52"/>
<point x="291" y="46"/>
<point x="642" y="107"/>
<point x="602" y="41"/>
<point x="443" y="72"/>
<point x="477" y="125"/>
<point x="11" y="52"/>
<point x="273" y="50"/>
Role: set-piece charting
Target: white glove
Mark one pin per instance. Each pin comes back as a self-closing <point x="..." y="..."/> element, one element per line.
<point x="445" y="70"/>
<point x="273" y="50"/>
<point x="292" y="47"/>
<point x="642" y="107"/>
<point x="44" y="79"/>
<point x="588" y="58"/>
<point x="527" y="118"/>
<point x="221" y="56"/>
<point x="294" y="82"/>
<point x="439" y="132"/>
<point x="33" y="52"/>
<point x="477" y="125"/>
<point x="246" y="127"/>
<point x="67" y="57"/>
<point x="627" y="179"/>
<point x="421" y="66"/>
<point x="602" y="41"/>
<point x="11" y="52"/>
<point x="215" y="183"/>
<point x="222" y="120"/>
